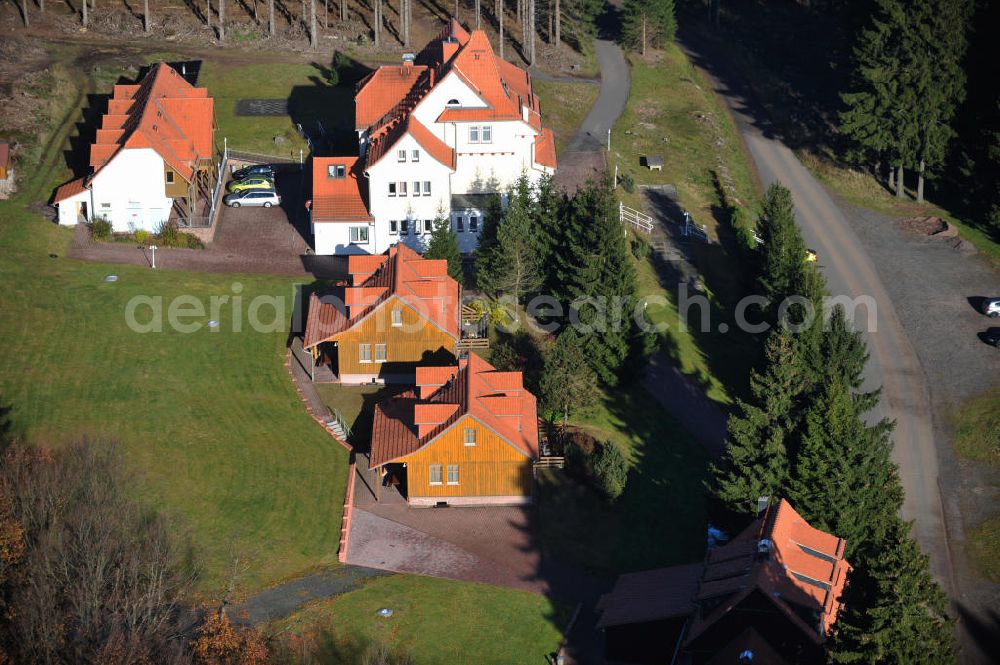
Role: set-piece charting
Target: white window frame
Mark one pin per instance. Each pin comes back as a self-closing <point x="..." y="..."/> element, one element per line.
<point x="453" y="468"/>
<point x="364" y="352"/>
<point x="381" y="350"/>
<point x="336" y="171"/>
<point x="170" y="177"/>
<point x="469" y="436"/>
<point x="432" y="471"/>
<point x="473" y="133"/>
<point x="460" y="223"/>
<point x="392" y="189"/>
<point x="428" y="226"/>
<point x="397" y="316"/>
<point x="393" y="227"/>
<point x="359" y="230"/>
<point x="414" y="155"/>
<point x="486" y="134"/>
<point x="404" y="227"/>
<point x="473" y="223"/>
<point x="416" y="188"/>
<point x="401" y="188"/>
<point x="401" y="155"/>
<point x="427" y="187"/>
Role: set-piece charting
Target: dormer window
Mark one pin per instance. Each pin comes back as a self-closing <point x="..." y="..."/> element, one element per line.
<point x="453" y="103"/>
<point x="336" y="171"/>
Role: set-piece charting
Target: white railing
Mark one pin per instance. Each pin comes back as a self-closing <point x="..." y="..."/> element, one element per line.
<point x="639" y="220"/>
<point x="220" y="167"/>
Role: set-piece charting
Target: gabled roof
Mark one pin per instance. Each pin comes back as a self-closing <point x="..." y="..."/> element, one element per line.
<point x="384" y="89"/>
<point x="399" y="274"/>
<point x="389" y="136"/>
<point x="470" y="389"/>
<point x="545" y="148"/>
<point x="336" y="199"/>
<point x="787" y="561"/>
<point x="651" y="595"/>
<point x="70" y="189"/>
<point x="163" y="112"/>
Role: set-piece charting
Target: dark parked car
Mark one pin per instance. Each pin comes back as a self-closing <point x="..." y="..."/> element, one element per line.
<point x="991" y="336"/>
<point x="254" y="169"/>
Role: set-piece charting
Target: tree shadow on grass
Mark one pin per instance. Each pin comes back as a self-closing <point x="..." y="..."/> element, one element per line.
<point x="326" y="112"/>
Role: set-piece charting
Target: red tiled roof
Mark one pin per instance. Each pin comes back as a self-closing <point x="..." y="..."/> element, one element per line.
<point x="323" y="320"/>
<point x="339" y="199"/>
<point x="650" y="595"/>
<point x="383" y="142"/>
<point x="403" y="274"/>
<point x="545" y="148"/>
<point x="163" y="112"/>
<point x="381" y="91"/>
<point x="395" y="433"/>
<point x="71" y="188"/>
<point x="748" y="640"/>
<point x="787" y="560"/>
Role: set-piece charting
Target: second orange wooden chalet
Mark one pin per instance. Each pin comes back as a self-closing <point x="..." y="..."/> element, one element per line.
<point x="401" y="311"/>
<point x="467" y="435"/>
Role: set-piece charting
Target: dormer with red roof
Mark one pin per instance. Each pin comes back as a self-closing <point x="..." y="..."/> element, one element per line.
<point x="467" y="434"/>
<point x="399" y="311"/>
<point x="438" y="133"/>
<point x="154" y="149"/>
<point x="773" y="590"/>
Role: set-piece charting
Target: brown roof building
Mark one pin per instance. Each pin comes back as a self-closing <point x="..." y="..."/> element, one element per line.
<point x="770" y="594"/>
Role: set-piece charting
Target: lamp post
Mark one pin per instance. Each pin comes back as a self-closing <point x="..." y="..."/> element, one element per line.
<point x="152" y="248"/>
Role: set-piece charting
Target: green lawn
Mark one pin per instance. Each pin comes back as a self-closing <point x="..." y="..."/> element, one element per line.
<point x="436" y="621"/>
<point x="356" y="404"/>
<point x="309" y="99"/>
<point x="564" y="106"/>
<point x="670" y="100"/>
<point x="209" y="422"/>
<point x="659" y="521"/>
<point x="977" y="437"/>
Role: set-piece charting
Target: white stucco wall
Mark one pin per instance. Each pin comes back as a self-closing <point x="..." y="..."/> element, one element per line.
<point x="72" y="208"/>
<point x="130" y="191"/>
<point x="335" y="238"/>
<point x="431" y="106"/>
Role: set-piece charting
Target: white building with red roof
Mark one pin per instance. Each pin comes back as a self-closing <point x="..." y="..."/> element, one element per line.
<point x="438" y="135"/>
<point x="154" y="148"/>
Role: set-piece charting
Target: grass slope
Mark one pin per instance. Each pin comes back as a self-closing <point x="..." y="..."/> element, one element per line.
<point x="209" y="421"/>
<point x="564" y="106"/>
<point x="436" y="621"/>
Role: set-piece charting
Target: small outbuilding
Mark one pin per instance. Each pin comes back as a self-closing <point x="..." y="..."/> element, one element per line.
<point x="5" y="160"/>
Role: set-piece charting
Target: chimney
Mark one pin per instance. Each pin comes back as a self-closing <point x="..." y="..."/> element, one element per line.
<point x="762" y="503"/>
<point x="408" y="60"/>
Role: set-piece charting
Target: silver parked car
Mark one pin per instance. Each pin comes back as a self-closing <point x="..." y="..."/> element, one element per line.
<point x="253" y="197"/>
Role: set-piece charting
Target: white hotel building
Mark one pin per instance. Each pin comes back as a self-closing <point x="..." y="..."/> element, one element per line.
<point x="438" y="134"/>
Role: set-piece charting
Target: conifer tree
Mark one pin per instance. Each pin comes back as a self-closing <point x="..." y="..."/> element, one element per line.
<point x="511" y="265"/>
<point x="549" y="227"/>
<point x="594" y="269"/>
<point x="568" y="385"/>
<point x="842" y="479"/>
<point x="783" y="252"/>
<point x="444" y="245"/>
<point x="893" y="611"/>
<point x="755" y="462"/>
<point x="651" y="22"/>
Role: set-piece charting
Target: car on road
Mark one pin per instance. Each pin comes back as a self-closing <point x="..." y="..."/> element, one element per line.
<point x="264" y="198"/>
<point x="253" y="182"/>
<point x="991" y="336"/>
<point x="990" y="307"/>
<point x="254" y="169"/>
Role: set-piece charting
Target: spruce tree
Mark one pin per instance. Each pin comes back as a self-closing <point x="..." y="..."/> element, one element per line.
<point x="893" y="612"/>
<point x="782" y="270"/>
<point x="549" y="227"/>
<point x="594" y="275"/>
<point x="444" y="245"/>
<point x="652" y="22"/>
<point x="511" y="265"/>
<point x="755" y="462"/>
<point x="842" y="479"/>
<point x="568" y="385"/>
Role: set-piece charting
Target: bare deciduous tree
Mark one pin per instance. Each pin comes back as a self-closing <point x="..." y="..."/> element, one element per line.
<point x="98" y="579"/>
<point x="558" y="22"/>
<point x="270" y="17"/>
<point x="84" y="8"/>
<point x="313" y="36"/>
<point x="222" y="20"/>
<point x="377" y="22"/>
<point x="145" y="17"/>
<point x="24" y="12"/>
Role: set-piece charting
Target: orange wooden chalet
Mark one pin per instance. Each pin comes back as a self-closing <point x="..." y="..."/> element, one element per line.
<point x="769" y="596"/>
<point x="402" y="310"/>
<point x="466" y="435"/>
